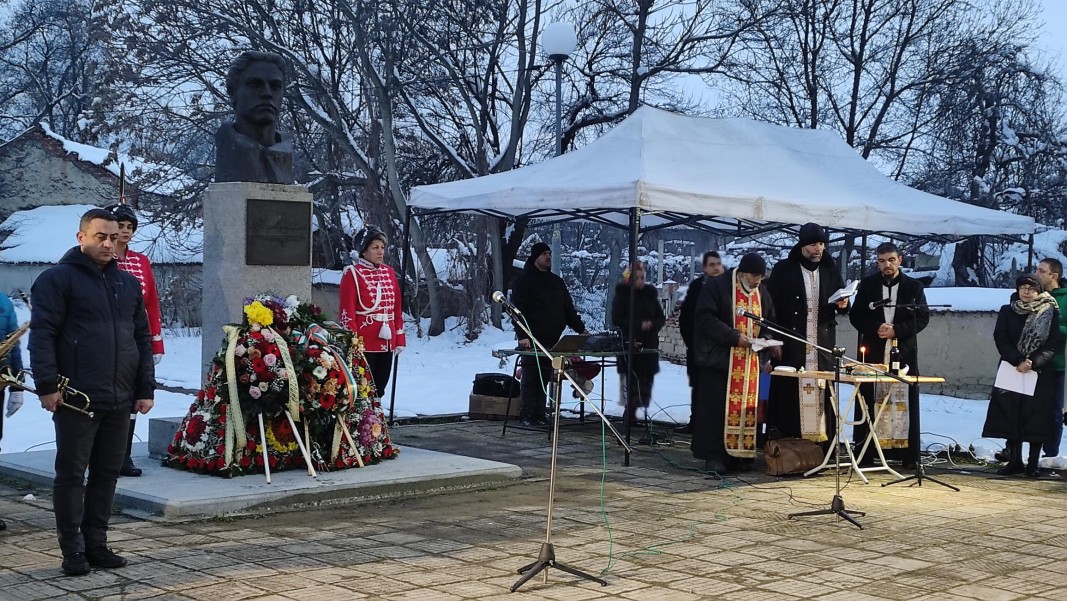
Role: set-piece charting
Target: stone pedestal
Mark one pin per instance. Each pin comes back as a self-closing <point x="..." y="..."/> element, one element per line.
<point x="257" y="239"/>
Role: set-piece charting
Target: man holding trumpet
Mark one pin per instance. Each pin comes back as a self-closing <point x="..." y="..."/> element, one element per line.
<point x="88" y="324"/>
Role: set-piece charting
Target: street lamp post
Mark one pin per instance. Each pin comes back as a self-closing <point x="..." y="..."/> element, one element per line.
<point x="558" y="41"/>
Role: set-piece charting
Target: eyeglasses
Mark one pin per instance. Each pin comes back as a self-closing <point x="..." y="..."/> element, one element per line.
<point x="1028" y="288"/>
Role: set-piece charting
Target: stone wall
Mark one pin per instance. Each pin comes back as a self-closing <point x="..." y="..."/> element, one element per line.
<point x="957" y="345"/>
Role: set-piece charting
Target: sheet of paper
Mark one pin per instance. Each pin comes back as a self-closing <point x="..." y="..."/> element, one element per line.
<point x="846" y="292"/>
<point x="1009" y="378"/>
<point x="758" y="344"/>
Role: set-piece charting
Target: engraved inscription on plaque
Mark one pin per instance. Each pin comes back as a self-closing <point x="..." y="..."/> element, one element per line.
<point x="277" y="232"/>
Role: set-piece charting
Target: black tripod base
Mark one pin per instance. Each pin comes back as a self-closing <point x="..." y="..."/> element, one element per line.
<point x="920" y="475"/>
<point x="837" y="507"/>
<point x="547" y="559"/>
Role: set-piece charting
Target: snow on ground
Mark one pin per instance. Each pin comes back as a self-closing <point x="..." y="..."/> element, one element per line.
<point x="435" y="378"/>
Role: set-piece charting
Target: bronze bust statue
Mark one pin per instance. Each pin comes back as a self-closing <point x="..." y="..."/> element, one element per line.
<point x="249" y="148"/>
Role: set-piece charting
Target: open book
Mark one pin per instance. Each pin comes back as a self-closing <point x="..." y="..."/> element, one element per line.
<point x="758" y="344"/>
<point x="846" y="292"/>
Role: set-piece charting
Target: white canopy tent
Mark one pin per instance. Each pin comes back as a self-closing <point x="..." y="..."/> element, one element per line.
<point x="671" y="168"/>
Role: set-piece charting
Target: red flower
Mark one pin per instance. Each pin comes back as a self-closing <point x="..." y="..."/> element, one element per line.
<point x="220" y="449"/>
<point x="327" y="401"/>
<point x="222" y="420"/>
<point x="244" y="379"/>
<point x="250" y="445"/>
<point x="195" y="429"/>
<point x="273" y="461"/>
<point x="170" y="449"/>
<point x="283" y="432"/>
<point x="259" y="460"/>
<point x="314" y="352"/>
<point x="258" y="365"/>
<point x="191" y="463"/>
<point x="222" y="408"/>
<point x="246" y="461"/>
<point x="387" y="452"/>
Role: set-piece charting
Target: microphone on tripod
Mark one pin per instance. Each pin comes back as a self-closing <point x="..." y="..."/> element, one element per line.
<point x="879" y="303"/>
<point x="746" y="314"/>
<point x="499" y="297"/>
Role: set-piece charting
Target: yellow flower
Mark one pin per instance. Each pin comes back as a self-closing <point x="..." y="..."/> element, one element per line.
<point x="258" y="314"/>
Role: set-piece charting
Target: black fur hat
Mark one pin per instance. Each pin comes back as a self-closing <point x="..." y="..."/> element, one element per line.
<point x="123" y="213"/>
<point x="367" y="235"/>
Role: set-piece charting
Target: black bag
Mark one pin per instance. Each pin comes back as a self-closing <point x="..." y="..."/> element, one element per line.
<point x="494" y="384"/>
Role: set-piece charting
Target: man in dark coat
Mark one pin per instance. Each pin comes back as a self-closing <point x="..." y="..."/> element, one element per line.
<point x="712" y="267"/>
<point x="801" y="286"/>
<point x="724" y="416"/>
<point x="880" y="313"/>
<point x="88" y="323"/>
<point x="548" y="308"/>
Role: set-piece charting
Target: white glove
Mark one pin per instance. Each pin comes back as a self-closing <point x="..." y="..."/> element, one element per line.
<point x="399" y="349"/>
<point x="14" y="402"/>
<point x="157" y="358"/>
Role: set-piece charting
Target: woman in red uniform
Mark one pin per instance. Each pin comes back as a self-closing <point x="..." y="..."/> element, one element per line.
<point x="139" y="267"/>
<point x="371" y="305"/>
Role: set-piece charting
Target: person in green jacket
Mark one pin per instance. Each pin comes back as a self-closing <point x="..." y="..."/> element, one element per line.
<point x="1050" y="275"/>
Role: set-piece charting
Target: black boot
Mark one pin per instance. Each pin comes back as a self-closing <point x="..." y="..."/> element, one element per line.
<point x="1005" y="453"/>
<point x="1031" y="462"/>
<point x="715" y="463"/>
<point x="128" y="468"/>
<point x="1015" y="462"/>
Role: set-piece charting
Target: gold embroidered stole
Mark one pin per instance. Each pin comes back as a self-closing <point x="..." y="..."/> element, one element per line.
<point x="742" y="385"/>
<point x="810" y="394"/>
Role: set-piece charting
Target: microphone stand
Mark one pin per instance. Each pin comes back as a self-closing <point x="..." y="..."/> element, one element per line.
<point x="920" y="468"/>
<point x="837" y="504"/>
<point x="546" y="557"/>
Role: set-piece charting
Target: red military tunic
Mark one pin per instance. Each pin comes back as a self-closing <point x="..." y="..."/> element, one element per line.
<point x="139" y="267"/>
<point x="370" y="306"/>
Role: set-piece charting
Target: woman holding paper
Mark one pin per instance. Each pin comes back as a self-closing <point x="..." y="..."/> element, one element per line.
<point x="1027" y="335"/>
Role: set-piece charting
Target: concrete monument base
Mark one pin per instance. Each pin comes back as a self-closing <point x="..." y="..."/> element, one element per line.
<point x="175" y="494"/>
<point x="255" y="241"/>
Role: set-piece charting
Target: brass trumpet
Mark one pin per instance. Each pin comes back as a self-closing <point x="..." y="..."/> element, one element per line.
<point x="15" y="381"/>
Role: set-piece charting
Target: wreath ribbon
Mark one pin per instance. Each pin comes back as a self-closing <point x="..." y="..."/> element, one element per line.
<point x="235" y="422"/>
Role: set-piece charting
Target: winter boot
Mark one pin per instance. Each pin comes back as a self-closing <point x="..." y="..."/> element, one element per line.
<point x="1004" y="454"/>
<point x="1015" y="462"/>
<point x="1032" y="470"/>
<point x="128" y="468"/>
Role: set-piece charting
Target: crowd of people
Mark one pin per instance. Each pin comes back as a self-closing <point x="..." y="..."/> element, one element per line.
<point x="728" y="316"/>
<point x="104" y="292"/>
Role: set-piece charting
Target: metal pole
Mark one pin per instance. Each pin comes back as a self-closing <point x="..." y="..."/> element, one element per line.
<point x="557" y="234"/>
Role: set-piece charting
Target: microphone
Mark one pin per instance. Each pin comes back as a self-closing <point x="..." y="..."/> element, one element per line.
<point x="499" y="297"/>
<point x="879" y="303"/>
<point x="752" y="316"/>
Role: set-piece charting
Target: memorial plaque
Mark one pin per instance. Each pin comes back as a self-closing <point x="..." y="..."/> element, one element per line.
<point x="277" y="232"/>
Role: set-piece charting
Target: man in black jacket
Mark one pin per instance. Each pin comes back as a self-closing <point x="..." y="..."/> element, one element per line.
<point x="89" y="324"/>
<point x="725" y="414"/>
<point x="801" y="286"/>
<point x="878" y="323"/>
<point x="548" y="308"/>
<point x="712" y="267"/>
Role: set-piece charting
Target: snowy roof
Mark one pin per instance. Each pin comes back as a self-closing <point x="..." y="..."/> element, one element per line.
<point x="679" y="166"/>
<point x="164" y="180"/>
<point x="44" y="234"/>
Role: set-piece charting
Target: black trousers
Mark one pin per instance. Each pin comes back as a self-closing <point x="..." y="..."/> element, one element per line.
<point x="98" y="444"/>
<point x="536" y="374"/>
<point x="381" y="366"/>
<point x="709" y="416"/>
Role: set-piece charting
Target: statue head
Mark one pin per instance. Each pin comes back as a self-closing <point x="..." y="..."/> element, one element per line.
<point x="255" y="83"/>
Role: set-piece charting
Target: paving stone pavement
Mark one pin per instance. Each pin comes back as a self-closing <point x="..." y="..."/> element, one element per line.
<point x="657" y="530"/>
